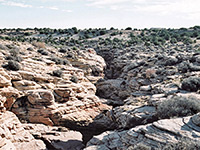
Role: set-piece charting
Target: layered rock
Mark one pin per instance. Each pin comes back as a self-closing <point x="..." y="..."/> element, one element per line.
<point x="14" y="136"/>
<point x="56" y="138"/>
<point x="63" y="106"/>
<point x="92" y="64"/>
<point x="155" y="135"/>
<point x="5" y="79"/>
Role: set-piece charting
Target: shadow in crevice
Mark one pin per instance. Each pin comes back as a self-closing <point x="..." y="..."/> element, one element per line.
<point x="59" y="145"/>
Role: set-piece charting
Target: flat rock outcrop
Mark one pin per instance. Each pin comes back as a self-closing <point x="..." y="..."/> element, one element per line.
<point x="155" y="135"/>
<point x="56" y="138"/>
<point x="14" y="136"/>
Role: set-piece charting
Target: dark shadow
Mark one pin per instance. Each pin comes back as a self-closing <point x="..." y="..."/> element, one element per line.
<point x="67" y="145"/>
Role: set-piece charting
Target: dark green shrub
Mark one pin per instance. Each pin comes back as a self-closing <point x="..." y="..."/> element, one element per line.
<point x="187" y="41"/>
<point x="183" y="144"/>
<point x="30" y="49"/>
<point x="178" y="107"/>
<point x="42" y="51"/>
<point x="60" y="61"/>
<point x="62" y="50"/>
<point x="15" y="58"/>
<point x="173" y="40"/>
<point x="128" y="28"/>
<point x="74" y="79"/>
<point x="114" y="33"/>
<point x="12" y="65"/>
<point x="102" y="32"/>
<point x="14" y="52"/>
<point x="57" y="73"/>
<point x="191" y="84"/>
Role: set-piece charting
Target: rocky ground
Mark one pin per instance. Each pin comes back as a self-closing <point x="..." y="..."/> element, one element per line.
<point x="98" y="99"/>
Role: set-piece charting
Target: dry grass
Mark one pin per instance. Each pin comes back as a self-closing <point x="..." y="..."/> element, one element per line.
<point x="39" y="44"/>
<point x="150" y="73"/>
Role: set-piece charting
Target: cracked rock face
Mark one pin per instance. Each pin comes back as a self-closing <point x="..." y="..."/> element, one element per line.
<point x="153" y="135"/>
<point x="57" y="138"/>
<point x="14" y="136"/>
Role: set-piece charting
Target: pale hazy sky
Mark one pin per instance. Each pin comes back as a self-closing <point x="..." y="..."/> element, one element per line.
<point x="99" y="13"/>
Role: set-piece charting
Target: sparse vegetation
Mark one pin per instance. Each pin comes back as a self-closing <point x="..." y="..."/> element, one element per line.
<point x="42" y="51"/>
<point x="57" y="73"/>
<point x="60" y="61"/>
<point x="12" y="65"/>
<point x="183" y="144"/>
<point x="74" y="79"/>
<point x="191" y="84"/>
<point x="178" y="107"/>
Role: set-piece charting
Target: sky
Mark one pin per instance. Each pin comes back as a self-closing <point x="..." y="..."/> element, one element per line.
<point x="99" y="13"/>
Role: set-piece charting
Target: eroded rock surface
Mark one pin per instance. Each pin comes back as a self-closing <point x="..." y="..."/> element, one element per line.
<point x="56" y="138"/>
<point x="14" y="136"/>
<point x="155" y="135"/>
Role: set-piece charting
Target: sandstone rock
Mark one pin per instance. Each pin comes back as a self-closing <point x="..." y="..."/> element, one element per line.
<point x="15" y="76"/>
<point x="91" y="63"/>
<point x="4" y="82"/>
<point x="2" y="101"/>
<point x="112" y="89"/>
<point x="57" y="138"/>
<point x="128" y="116"/>
<point x="5" y="79"/>
<point x="26" y="85"/>
<point x="11" y="95"/>
<point x="155" y="135"/>
<point x="40" y="106"/>
<point x="13" y="136"/>
<point x="26" y="75"/>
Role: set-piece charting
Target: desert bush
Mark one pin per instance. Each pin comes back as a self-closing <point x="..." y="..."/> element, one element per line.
<point x="187" y="41"/>
<point x="15" y="58"/>
<point x="191" y="84"/>
<point x="171" y="61"/>
<point x="39" y="44"/>
<point x="30" y="49"/>
<point x="60" y="61"/>
<point x="140" y="146"/>
<point x="114" y="33"/>
<point x="150" y="73"/>
<point x="42" y="51"/>
<point x="12" y="65"/>
<point x="183" y="144"/>
<point x="128" y="28"/>
<point x="178" y="107"/>
<point x="14" y="52"/>
<point x="62" y="50"/>
<point x="74" y="79"/>
<point x="102" y="32"/>
<point x="57" y="73"/>
<point x="173" y="40"/>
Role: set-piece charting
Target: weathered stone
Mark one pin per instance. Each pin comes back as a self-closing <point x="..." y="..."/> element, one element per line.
<point x="11" y="95"/>
<point x="14" y="136"/>
<point x="26" y="85"/>
<point x="155" y="135"/>
<point x="58" y="138"/>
